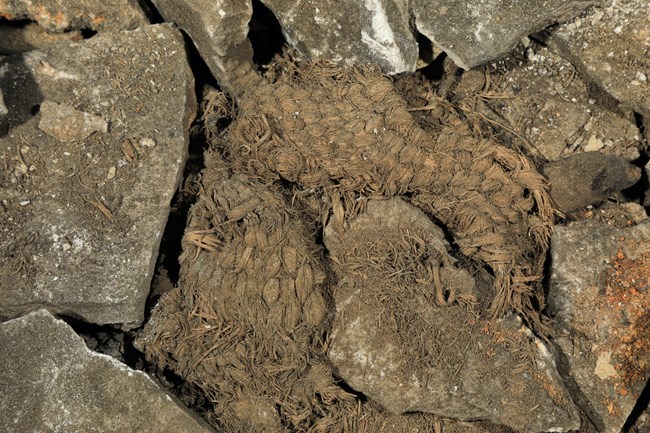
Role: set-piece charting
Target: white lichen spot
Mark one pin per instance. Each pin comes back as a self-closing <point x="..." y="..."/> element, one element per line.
<point x="381" y="40"/>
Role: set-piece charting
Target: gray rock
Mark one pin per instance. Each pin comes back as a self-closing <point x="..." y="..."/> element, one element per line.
<point x="372" y="31"/>
<point x="50" y="381"/>
<point x="601" y="302"/>
<point x="64" y="123"/>
<point x="4" y="121"/>
<point x="219" y="31"/>
<point x="588" y="178"/>
<point x="609" y="48"/>
<point x="409" y="353"/>
<point x="543" y="102"/>
<point x="473" y="33"/>
<point x="59" y="16"/>
<point x="81" y="221"/>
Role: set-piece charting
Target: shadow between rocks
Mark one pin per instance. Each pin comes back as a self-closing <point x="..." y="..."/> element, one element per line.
<point x="20" y="91"/>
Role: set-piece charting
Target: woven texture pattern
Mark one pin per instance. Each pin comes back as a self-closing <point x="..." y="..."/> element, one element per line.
<point x="349" y="134"/>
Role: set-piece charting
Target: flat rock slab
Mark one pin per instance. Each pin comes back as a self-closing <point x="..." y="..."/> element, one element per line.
<point x="50" y="381"/>
<point x="473" y="33"/>
<point x="219" y="31"/>
<point x="610" y="48"/>
<point x="57" y="15"/>
<point x="372" y="31"/>
<point x="405" y="336"/>
<point x="600" y="296"/>
<point x="86" y="194"/>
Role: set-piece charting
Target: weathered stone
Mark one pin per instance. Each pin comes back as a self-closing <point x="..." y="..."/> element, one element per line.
<point x="474" y="33"/>
<point x="372" y="31"/>
<point x="4" y="121"/>
<point x="219" y="30"/>
<point x="588" y="178"/>
<point x="600" y="297"/>
<point x="64" y="123"/>
<point x="81" y="221"/>
<point x="57" y="15"/>
<point x="50" y="381"/>
<point x="471" y="368"/>
<point x="15" y="40"/>
<point x="610" y="48"/>
<point x="543" y="102"/>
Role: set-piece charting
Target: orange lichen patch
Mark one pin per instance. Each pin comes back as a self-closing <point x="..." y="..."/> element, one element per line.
<point x="97" y="21"/>
<point x="627" y="303"/>
<point x="553" y="391"/>
<point x="613" y="408"/>
<point x="44" y="17"/>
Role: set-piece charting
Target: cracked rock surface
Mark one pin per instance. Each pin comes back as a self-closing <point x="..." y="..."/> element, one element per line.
<point x="50" y="381"/>
<point x="92" y="172"/>
<point x="599" y="296"/>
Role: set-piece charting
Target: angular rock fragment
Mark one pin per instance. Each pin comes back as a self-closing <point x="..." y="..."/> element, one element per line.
<point x="50" y="381"/>
<point x="59" y="16"/>
<point x="588" y="178"/>
<point x="347" y="134"/>
<point x="350" y="32"/>
<point x="610" y="48"/>
<point x="82" y="220"/>
<point x="474" y="33"/>
<point x="220" y="32"/>
<point x="543" y="106"/>
<point x="406" y="335"/>
<point x="600" y="296"/>
<point x="64" y="123"/>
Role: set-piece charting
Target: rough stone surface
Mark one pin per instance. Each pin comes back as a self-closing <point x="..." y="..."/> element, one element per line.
<point x="4" y="121"/>
<point x="219" y="30"/>
<point x="372" y="31"/>
<point x="489" y="378"/>
<point x="473" y="33"/>
<point x="543" y="105"/>
<point x="50" y="382"/>
<point x="81" y="221"/>
<point x="351" y="32"/>
<point x="610" y="48"/>
<point x="600" y="296"/>
<point x="57" y="15"/>
<point x="64" y="123"/>
<point x="588" y="178"/>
